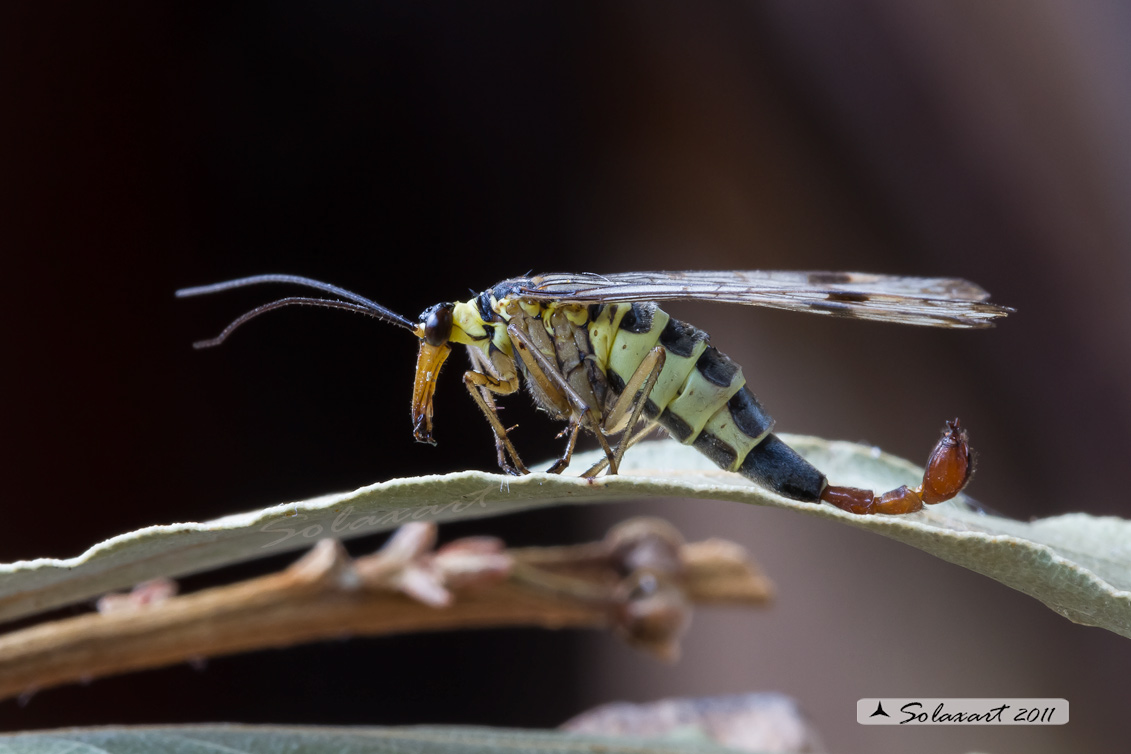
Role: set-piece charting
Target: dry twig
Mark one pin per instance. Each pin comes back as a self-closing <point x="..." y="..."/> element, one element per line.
<point x="639" y="581"/>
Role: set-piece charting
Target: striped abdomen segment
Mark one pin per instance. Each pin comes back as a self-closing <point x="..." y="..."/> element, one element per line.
<point x="702" y="400"/>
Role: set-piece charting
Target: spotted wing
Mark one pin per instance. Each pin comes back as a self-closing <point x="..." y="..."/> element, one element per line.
<point x="933" y="302"/>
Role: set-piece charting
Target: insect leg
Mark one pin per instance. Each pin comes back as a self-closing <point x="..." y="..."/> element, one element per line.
<point x="481" y="363"/>
<point x="600" y="466"/>
<point x="948" y="470"/>
<point x="551" y="381"/>
<point x="563" y="462"/>
<point x="634" y="397"/>
<point x="481" y="386"/>
<point x="640" y="385"/>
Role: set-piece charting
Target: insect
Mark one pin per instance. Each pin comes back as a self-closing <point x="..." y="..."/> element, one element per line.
<point x="598" y="353"/>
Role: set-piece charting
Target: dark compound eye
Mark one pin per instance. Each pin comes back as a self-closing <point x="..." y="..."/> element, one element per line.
<point x="437" y="324"/>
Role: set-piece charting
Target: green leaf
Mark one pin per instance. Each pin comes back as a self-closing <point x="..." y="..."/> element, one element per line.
<point x="247" y="739"/>
<point x="1078" y="565"/>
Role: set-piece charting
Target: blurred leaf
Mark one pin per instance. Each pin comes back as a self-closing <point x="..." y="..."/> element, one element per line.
<point x="745" y="722"/>
<point x="247" y="739"/>
<point x="1078" y="565"/>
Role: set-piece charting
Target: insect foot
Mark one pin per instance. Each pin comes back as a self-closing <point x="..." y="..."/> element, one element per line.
<point x="947" y="473"/>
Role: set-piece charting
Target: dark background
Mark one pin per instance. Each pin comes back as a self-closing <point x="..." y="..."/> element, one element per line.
<point x="414" y="151"/>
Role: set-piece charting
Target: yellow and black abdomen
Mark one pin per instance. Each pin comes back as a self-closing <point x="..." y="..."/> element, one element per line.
<point x="700" y="397"/>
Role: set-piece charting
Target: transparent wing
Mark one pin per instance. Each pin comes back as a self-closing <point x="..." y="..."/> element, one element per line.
<point x="934" y="302"/>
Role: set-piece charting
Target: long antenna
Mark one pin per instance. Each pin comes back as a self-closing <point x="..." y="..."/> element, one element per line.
<point x="355" y="303"/>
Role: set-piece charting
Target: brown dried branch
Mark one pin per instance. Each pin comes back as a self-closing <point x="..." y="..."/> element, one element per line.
<point x="639" y="581"/>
